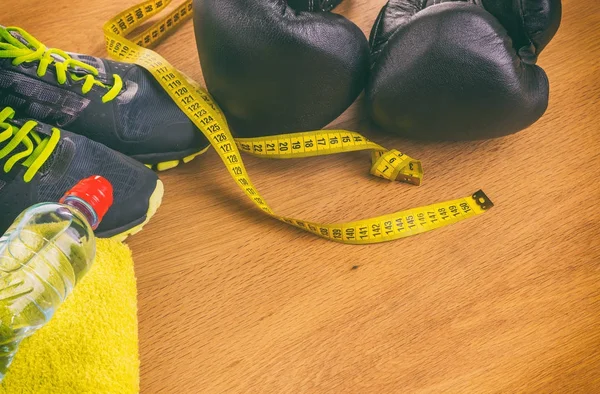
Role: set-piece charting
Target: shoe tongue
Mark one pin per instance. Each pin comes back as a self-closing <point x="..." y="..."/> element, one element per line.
<point x="24" y="41"/>
<point x="90" y="61"/>
<point x="18" y="36"/>
<point x="97" y="63"/>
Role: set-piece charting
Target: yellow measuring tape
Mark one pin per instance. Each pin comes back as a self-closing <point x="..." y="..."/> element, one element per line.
<point x="197" y="104"/>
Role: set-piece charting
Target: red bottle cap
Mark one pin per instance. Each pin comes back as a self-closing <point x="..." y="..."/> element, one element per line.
<point x="96" y="191"/>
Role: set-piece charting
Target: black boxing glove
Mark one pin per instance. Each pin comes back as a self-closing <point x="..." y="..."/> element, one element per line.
<point x="274" y="69"/>
<point x="459" y="69"/>
<point x="313" y="5"/>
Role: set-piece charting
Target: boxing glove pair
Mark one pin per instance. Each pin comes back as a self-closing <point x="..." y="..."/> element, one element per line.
<point x="434" y="69"/>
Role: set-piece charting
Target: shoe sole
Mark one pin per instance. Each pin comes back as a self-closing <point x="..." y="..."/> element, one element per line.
<point x="157" y="195"/>
<point x="153" y="205"/>
<point x="167" y="165"/>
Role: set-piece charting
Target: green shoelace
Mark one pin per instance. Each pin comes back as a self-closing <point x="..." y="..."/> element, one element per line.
<point x="10" y="47"/>
<point x="38" y="148"/>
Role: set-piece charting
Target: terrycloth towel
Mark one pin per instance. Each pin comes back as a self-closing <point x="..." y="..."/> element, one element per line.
<point x="91" y="343"/>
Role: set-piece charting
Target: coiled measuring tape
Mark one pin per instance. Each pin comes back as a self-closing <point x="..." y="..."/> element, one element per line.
<point x="197" y="104"/>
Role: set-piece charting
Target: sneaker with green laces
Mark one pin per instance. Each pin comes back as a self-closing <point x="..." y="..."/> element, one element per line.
<point x="120" y="105"/>
<point x="39" y="163"/>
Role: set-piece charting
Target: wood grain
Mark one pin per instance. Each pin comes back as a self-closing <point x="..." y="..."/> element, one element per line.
<point x="232" y="301"/>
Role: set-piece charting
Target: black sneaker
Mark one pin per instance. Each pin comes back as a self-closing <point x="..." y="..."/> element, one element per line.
<point x="39" y="163"/>
<point x="120" y="105"/>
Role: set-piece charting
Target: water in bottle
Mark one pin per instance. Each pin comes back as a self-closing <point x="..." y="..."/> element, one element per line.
<point x="43" y="255"/>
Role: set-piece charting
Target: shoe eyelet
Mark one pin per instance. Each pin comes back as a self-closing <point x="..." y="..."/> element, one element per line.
<point x="25" y="65"/>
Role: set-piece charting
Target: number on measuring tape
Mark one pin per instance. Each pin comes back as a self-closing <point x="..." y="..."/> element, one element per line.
<point x="197" y="104"/>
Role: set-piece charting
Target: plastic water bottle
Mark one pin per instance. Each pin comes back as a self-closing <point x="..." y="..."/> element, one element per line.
<point x="43" y="255"/>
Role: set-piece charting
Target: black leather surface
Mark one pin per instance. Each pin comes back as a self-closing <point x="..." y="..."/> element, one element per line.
<point x="273" y="69"/>
<point x="450" y="70"/>
<point x="530" y="23"/>
<point x="313" y="5"/>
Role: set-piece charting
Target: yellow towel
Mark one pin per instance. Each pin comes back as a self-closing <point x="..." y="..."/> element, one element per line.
<point x="91" y="343"/>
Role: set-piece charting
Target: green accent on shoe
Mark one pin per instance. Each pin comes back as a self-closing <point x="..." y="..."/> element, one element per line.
<point x="167" y="165"/>
<point x="153" y="205"/>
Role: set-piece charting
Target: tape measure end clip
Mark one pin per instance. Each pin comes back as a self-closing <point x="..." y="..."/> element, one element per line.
<point x="482" y="200"/>
<point x="413" y="180"/>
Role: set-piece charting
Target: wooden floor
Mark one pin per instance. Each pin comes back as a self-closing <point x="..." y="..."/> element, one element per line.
<point x="232" y="301"/>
